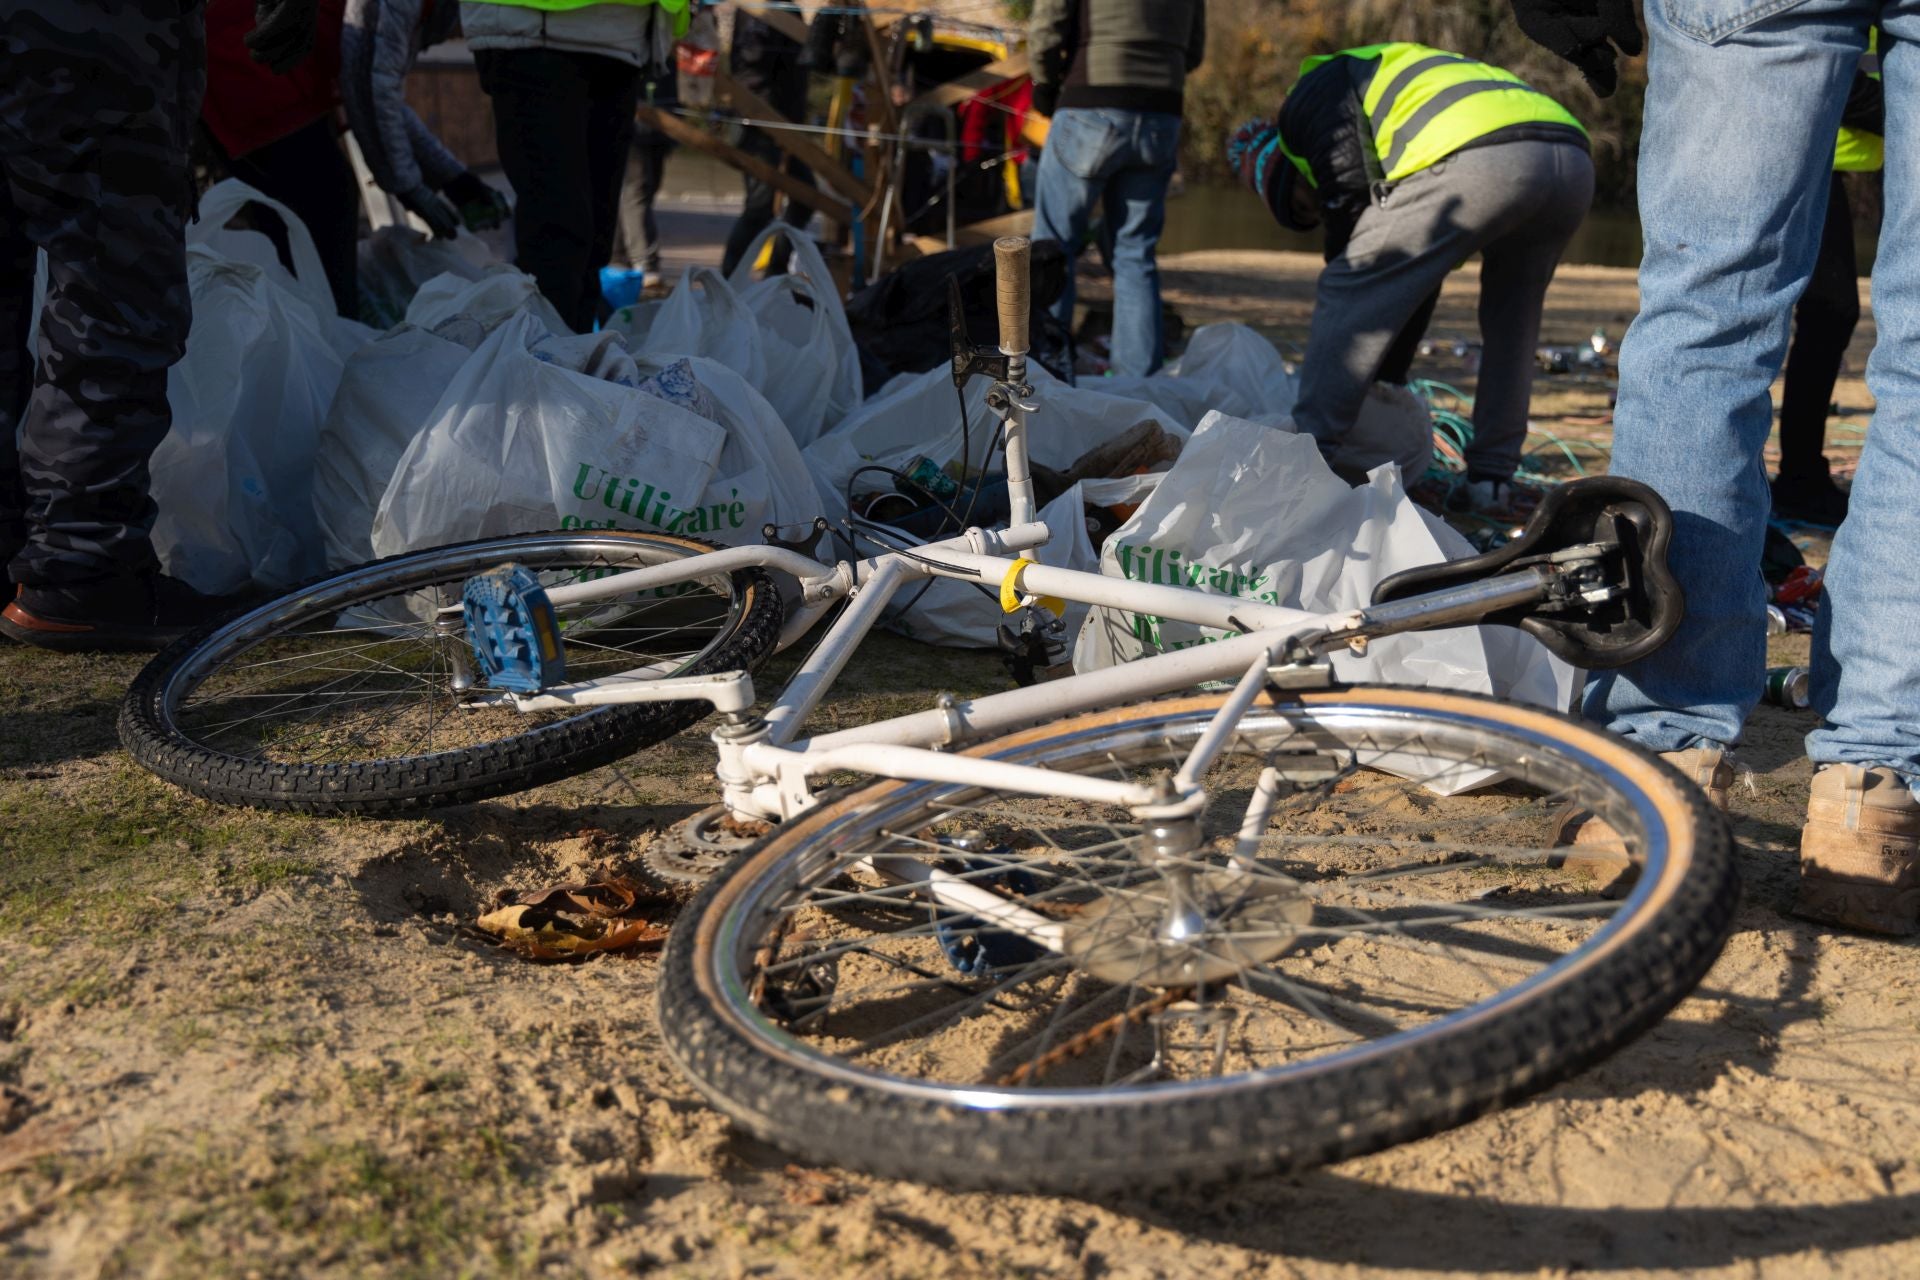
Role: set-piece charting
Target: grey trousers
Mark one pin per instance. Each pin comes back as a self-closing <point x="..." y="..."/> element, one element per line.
<point x="1515" y="203"/>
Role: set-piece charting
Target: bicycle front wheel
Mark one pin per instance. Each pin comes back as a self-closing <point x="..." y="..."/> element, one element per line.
<point x="990" y="990"/>
<point x="339" y="696"/>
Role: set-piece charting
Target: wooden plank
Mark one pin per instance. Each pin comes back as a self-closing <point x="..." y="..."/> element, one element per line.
<point x="806" y="193"/>
<point x="954" y="92"/>
<point x="1017" y="223"/>
<point x="881" y="157"/>
<point x="752" y="106"/>
<point x="781" y="18"/>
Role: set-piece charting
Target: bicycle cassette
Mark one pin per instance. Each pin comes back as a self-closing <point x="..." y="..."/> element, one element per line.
<point x="515" y="635"/>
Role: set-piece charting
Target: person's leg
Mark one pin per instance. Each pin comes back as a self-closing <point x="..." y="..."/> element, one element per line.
<point x="1399" y="255"/>
<point x="613" y="91"/>
<point x="540" y="106"/>
<point x="1136" y="204"/>
<point x="757" y="211"/>
<point x="1398" y="362"/>
<point x="1823" y="325"/>
<point x="639" y="228"/>
<point x="309" y="172"/>
<point x="796" y="213"/>
<point x="16" y="371"/>
<point x="1860" y="847"/>
<point x="653" y="175"/>
<point x="1866" y="678"/>
<point x="1082" y="147"/>
<point x="1515" y="271"/>
<point x="1734" y="153"/>
<point x="93" y="143"/>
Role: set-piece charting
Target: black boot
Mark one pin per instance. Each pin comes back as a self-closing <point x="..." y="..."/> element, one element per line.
<point x="110" y="615"/>
<point x="1810" y="497"/>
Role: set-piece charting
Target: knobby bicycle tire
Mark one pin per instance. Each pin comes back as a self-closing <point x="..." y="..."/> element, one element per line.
<point x="1662" y="943"/>
<point x="410" y="783"/>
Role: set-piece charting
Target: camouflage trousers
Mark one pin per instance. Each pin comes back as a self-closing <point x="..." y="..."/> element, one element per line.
<point x="98" y="99"/>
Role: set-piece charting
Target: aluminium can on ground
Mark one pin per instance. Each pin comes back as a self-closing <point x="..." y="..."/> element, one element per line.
<point x="1789" y="687"/>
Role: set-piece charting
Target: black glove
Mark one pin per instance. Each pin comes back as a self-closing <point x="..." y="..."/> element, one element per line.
<point x="481" y="207"/>
<point x="282" y="32"/>
<point x="1046" y="97"/>
<point x="1585" y="33"/>
<point x="441" y="218"/>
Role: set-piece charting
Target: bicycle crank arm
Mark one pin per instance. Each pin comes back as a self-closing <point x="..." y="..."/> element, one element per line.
<point x="730" y="692"/>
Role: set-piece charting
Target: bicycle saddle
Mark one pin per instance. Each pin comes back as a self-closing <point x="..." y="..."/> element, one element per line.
<point x="1627" y="525"/>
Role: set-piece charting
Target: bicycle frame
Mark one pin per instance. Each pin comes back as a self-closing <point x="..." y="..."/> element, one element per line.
<point x="767" y="768"/>
<point x="765" y="764"/>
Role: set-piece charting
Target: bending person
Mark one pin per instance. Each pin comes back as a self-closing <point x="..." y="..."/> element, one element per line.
<point x="1413" y="159"/>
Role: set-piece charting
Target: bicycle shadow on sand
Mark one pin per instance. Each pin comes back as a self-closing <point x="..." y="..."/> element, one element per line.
<point x="1781" y="1081"/>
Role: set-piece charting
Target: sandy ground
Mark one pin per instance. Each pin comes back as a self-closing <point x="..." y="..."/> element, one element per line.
<point x="234" y="1044"/>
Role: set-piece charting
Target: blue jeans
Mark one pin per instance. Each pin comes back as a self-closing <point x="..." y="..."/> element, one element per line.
<point x="1117" y="162"/>
<point x="1741" y="108"/>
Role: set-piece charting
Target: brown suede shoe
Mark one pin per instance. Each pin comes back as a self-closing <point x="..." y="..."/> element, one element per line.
<point x="1597" y="849"/>
<point x="1860" y="852"/>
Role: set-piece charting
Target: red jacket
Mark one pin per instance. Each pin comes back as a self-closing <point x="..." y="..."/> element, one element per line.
<point x="248" y="106"/>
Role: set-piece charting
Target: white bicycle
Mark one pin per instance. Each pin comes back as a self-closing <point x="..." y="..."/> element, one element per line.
<point x="1068" y="939"/>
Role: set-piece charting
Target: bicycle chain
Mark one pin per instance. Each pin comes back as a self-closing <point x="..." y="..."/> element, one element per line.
<point x="1096" y="1034"/>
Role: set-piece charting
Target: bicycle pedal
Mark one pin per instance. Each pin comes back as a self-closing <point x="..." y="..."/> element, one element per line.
<point x="515" y="635"/>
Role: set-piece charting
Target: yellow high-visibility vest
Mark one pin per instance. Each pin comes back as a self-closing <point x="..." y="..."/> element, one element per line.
<point x="1424" y="104"/>
<point x="1856" y="150"/>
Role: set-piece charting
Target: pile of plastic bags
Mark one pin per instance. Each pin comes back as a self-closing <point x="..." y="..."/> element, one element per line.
<point x="303" y="443"/>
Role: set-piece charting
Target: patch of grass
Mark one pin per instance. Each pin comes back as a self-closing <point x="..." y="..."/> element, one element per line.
<point x="115" y="856"/>
<point x="266" y="870"/>
<point x="428" y="1204"/>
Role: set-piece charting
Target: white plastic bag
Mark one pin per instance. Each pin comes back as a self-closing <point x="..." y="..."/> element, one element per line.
<point x="703" y="316"/>
<point x="966" y="617"/>
<point x="1253" y="511"/>
<point x="812" y="375"/>
<point x="395" y="261"/>
<point x="760" y="467"/>
<point x="1227" y="367"/>
<point x="1237" y="365"/>
<point x="1394" y="426"/>
<point x="211" y="231"/>
<point x="917" y="413"/>
<point x="386" y="398"/>
<point x="519" y="444"/>
<point x="212" y="234"/>
<point x="233" y="479"/>
<point x="481" y="305"/>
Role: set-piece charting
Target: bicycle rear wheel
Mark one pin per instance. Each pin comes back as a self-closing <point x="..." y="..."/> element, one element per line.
<point x="1362" y="961"/>
<point x="338" y="697"/>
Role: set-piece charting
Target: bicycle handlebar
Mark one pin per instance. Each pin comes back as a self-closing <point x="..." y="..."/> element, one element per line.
<point x="1012" y="259"/>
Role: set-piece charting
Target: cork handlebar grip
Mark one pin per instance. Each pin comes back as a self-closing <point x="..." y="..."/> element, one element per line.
<point x="1012" y="261"/>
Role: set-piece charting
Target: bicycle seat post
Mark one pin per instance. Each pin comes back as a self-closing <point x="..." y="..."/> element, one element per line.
<point x="1012" y="259"/>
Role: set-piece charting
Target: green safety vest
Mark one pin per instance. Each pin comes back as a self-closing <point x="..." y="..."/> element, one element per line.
<point x="1856" y="150"/>
<point x="682" y="15"/>
<point x="1425" y="104"/>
